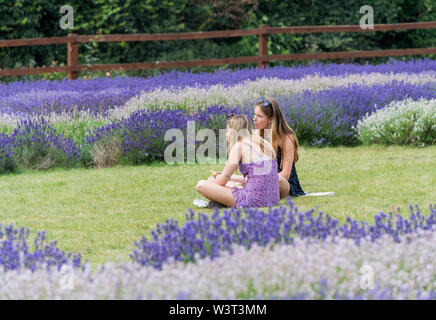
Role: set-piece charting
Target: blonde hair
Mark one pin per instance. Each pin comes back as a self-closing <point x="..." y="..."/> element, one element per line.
<point x="280" y="128"/>
<point x="240" y="127"/>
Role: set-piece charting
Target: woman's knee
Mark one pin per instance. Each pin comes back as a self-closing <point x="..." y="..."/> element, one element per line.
<point x="283" y="188"/>
<point x="201" y="185"/>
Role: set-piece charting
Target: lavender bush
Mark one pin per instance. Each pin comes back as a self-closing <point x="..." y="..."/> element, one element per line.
<point x="208" y="237"/>
<point x="307" y="270"/>
<point x="329" y="117"/>
<point x="16" y="254"/>
<point x="401" y="122"/>
<point x="6" y="154"/>
<point x="142" y="133"/>
<point x="36" y="145"/>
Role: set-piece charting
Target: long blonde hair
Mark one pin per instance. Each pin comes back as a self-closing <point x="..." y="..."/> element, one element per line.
<point x="280" y="128"/>
<point x="240" y="127"/>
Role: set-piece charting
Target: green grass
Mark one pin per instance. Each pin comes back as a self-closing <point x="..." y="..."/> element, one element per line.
<point x="100" y="213"/>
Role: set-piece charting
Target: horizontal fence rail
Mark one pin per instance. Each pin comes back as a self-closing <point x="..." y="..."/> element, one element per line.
<point x="72" y="40"/>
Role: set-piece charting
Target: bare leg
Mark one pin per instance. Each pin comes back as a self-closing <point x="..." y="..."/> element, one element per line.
<point x="212" y="191"/>
<point x="283" y="187"/>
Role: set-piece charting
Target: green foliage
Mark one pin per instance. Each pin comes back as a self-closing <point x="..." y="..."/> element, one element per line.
<point x="40" y="18"/>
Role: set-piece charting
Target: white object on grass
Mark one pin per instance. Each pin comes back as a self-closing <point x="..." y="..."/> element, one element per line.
<point x="318" y="194"/>
<point x="201" y="203"/>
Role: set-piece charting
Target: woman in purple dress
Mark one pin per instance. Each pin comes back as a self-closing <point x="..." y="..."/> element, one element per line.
<point x="256" y="159"/>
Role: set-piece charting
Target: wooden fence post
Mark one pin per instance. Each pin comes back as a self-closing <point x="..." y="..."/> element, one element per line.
<point x="263" y="46"/>
<point x="73" y="56"/>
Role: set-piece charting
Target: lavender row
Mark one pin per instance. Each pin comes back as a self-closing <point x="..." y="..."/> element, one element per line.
<point x="115" y="103"/>
<point x="308" y="270"/>
<point x="195" y="98"/>
<point x="101" y="94"/>
<point x="202" y="236"/>
<point x="321" y="261"/>
<point x="177" y="79"/>
<point x="326" y="117"/>
<point x="329" y="117"/>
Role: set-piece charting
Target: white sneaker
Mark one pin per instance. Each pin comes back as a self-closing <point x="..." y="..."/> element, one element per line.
<point x="201" y="203"/>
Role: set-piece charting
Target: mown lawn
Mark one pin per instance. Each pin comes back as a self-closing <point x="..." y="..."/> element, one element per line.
<point x="100" y="213"/>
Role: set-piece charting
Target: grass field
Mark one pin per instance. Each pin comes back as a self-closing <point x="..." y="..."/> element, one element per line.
<point x="100" y="213"/>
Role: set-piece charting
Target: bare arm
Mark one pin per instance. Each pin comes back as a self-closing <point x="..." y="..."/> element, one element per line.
<point x="235" y="156"/>
<point x="235" y="177"/>
<point x="288" y="157"/>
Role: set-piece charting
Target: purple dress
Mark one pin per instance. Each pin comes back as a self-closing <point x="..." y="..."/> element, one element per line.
<point x="262" y="184"/>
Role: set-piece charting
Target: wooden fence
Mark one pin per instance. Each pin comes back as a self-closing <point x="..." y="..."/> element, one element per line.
<point x="72" y="40"/>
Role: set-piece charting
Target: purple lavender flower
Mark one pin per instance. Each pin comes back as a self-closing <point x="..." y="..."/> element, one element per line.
<point x="36" y="144"/>
<point x="207" y="237"/>
<point x="16" y="253"/>
<point x="6" y="154"/>
<point x="101" y="94"/>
